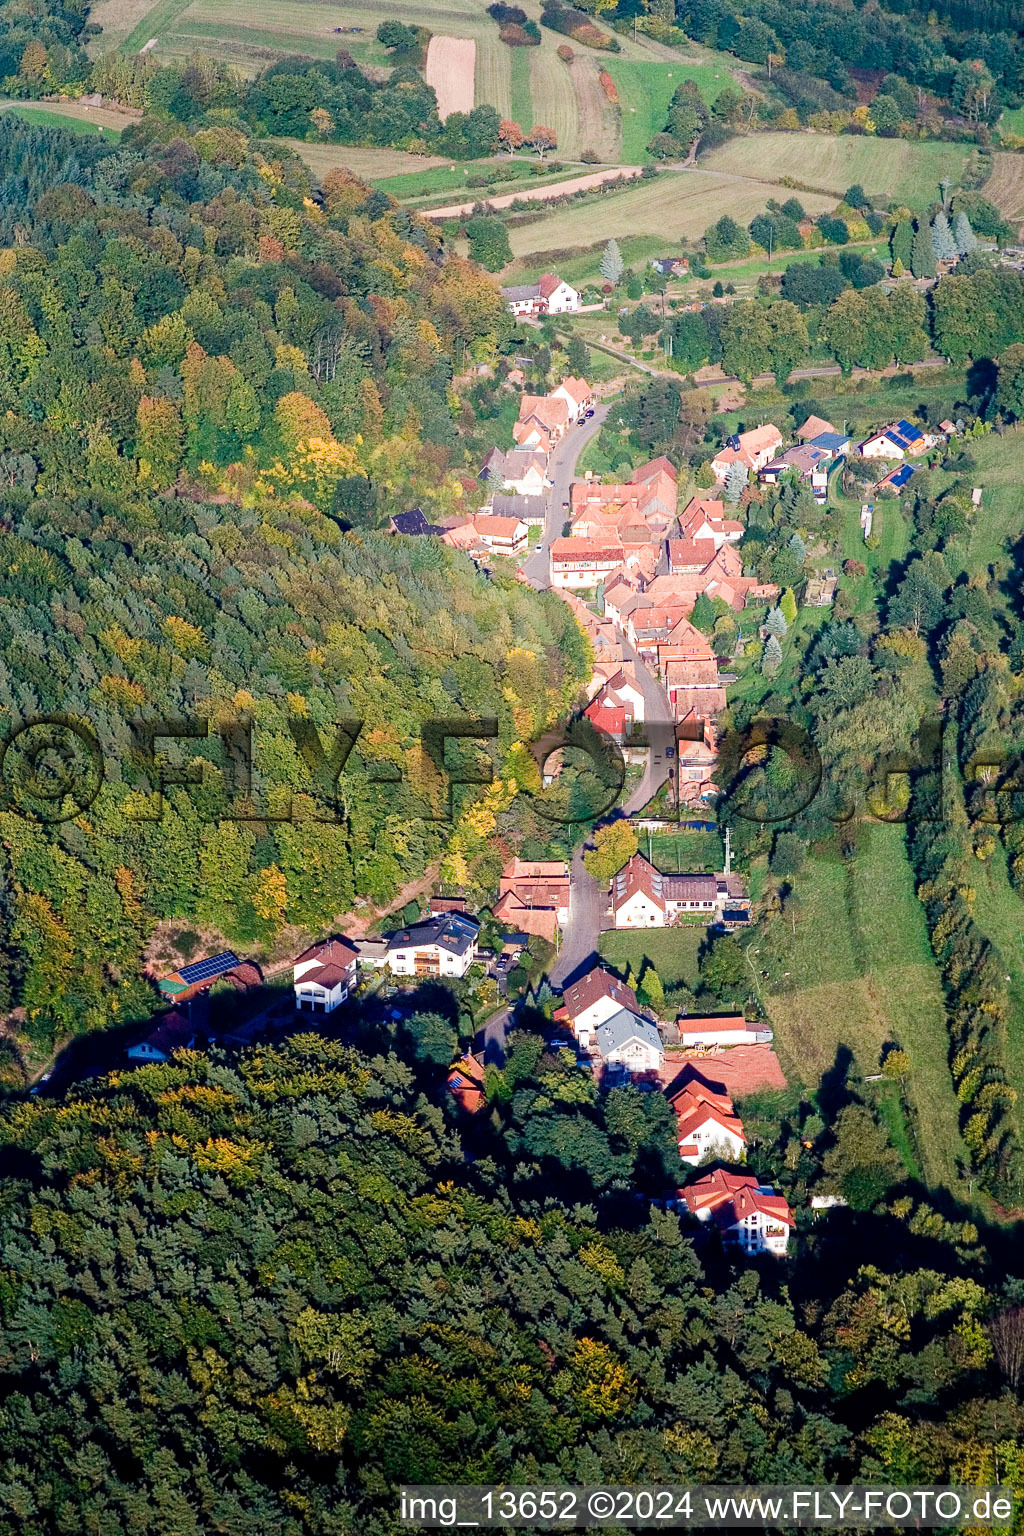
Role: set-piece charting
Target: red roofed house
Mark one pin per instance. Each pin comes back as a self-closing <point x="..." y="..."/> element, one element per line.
<point x="693" y="688"/>
<point x="549" y="296"/>
<point x="542" y="421"/>
<point x="749" y="1215"/>
<point x="813" y="427"/>
<point x="533" y="896"/>
<point x="642" y="897"/>
<point x="594" y="999"/>
<point x="708" y="1123"/>
<point x="466" y="1083"/>
<point x="690" y="555"/>
<point x="752" y="449"/>
<point x="502" y="535"/>
<point x="576" y="394"/>
<point x="323" y="976"/>
<point x="703" y="518"/>
<point x="722" y="1029"/>
<point x="696" y="756"/>
<point x="584" y="562"/>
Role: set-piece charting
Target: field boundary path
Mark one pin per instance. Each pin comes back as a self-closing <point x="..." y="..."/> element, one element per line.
<point x="535" y="194"/>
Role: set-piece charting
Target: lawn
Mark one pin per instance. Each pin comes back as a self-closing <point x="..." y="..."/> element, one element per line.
<point x="673" y="206"/>
<point x="645" y="90"/>
<point x="999" y="521"/>
<point x="672" y="951"/>
<point x="684" y="852"/>
<point x="851" y="971"/>
<point x="520" y="98"/>
<point x="494" y="69"/>
<point x="885" y="168"/>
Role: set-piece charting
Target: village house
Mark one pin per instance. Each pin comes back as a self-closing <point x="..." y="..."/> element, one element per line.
<point x="592" y="1000"/>
<point x="324" y="975"/>
<point x="548" y="296"/>
<point x="466" y="1083"/>
<point x="542" y="421"/>
<point x="529" y="508"/>
<point x="520" y="471"/>
<point x="583" y="562"/>
<point x="694" y="689"/>
<point x="198" y="976"/>
<point x="721" y="1029"/>
<point x="752" y="449"/>
<point x="749" y="1215"/>
<point x="897" y="479"/>
<point x="813" y="427"/>
<point x="577" y="395"/>
<point x="644" y="897"/>
<point x="617" y="707"/>
<point x="670" y="266"/>
<point x="440" y="946"/>
<point x="708" y="1124"/>
<point x="809" y="462"/>
<point x="696" y="757"/>
<point x="629" y="1042"/>
<point x="704" y="518"/>
<point x="533" y="896"/>
<point x="173" y="1032"/>
<point x="501" y="535"/>
<point x="899" y="441"/>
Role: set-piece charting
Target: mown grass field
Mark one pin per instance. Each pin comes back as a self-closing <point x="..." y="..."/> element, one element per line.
<point x="375" y="165"/>
<point x="554" y="101"/>
<point x="885" y="168"/>
<point x="645" y="90"/>
<point x="674" y="206"/>
<point x="672" y="951"/>
<point x="855" y="971"/>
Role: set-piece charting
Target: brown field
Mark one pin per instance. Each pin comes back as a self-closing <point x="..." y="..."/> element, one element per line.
<point x="117" y="18"/>
<point x="369" y="164"/>
<point x="1005" y="187"/>
<point x="451" y="70"/>
<point x="103" y="117"/>
<point x="674" y="206"/>
<point x="600" y="121"/>
<point x="534" y="194"/>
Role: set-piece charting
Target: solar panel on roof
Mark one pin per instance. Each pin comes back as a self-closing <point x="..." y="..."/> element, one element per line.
<point x="206" y="970"/>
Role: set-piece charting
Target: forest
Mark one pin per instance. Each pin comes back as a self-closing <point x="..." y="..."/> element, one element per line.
<point x="259" y="1293"/>
<point x="215" y="393"/>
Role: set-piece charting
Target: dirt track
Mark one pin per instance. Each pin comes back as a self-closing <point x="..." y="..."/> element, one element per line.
<point x="533" y="194"/>
<point x="450" y="69"/>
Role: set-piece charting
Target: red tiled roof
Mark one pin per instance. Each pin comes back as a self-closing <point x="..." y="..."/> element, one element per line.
<point x="598" y="983"/>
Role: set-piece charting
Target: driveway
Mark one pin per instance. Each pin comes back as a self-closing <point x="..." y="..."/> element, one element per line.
<point x="562" y="472"/>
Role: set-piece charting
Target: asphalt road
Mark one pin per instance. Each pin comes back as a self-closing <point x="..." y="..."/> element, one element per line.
<point x="562" y="471"/>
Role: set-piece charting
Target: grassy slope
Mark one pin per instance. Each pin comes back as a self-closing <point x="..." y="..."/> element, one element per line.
<point x="645" y="90"/>
<point x="999" y="912"/>
<point x="861" y="973"/>
<point x="44" y="118"/>
<point x="672" y="207"/>
<point x="520" y="99"/>
<point x="886" y="168"/>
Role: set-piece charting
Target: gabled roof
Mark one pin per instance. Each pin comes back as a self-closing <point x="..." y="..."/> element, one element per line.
<point x="454" y="932"/>
<point x="708" y="1023"/>
<point x="550" y="410"/>
<point x="335" y="951"/>
<point x="831" y="442"/>
<point x="414" y="524"/>
<point x="497" y="527"/>
<point x="623" y="1026"/>
<point x="199" y="973"/>
<point x="586" y="549"/>
<point x="759" y="438"/>
<point x="732" y="1197"/>
<point x="549" y="282"/>
<point x="579" y="389"/>
<point x="598" y="983"/>
<point x="650" y="470"/>
<point x="813" y="427"/>
<point x="522" y="292"/>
